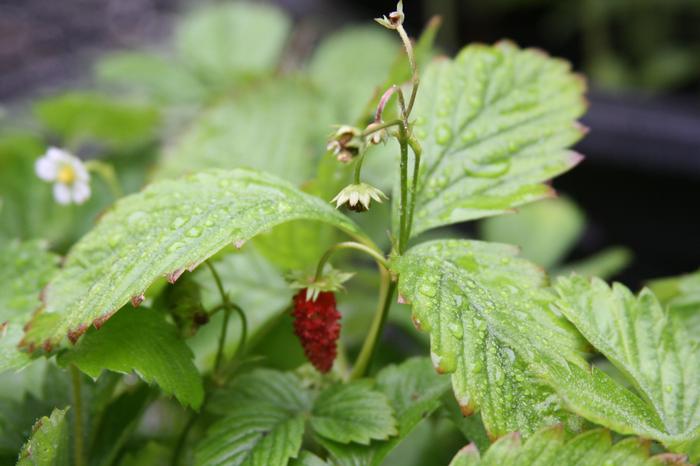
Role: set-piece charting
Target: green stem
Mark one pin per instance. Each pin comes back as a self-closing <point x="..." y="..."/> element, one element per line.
<point x="369" y="346"/>
<point x="358" y="167"/>
<point x="108" y="175"/>
<point x="417" y="151"/>
<point x="403" y="205"/>
<point x="227" y="314"/>
<point x="374" y="253"/>
<point x="78" y="416"/>
<point x="374" y="127"/>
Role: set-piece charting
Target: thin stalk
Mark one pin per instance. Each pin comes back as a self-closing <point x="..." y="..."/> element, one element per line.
<point x="403" y="204"/>
<point x="78" y="416"/>
<point x="358" y="167"/>
<point x="417" y="151"/>
<point x="415" y="80"/>
<point x="364" y="359"/>
<point x="227" y="314"/>
<point x="374" y="127"/>
<point x="375" y="254"/>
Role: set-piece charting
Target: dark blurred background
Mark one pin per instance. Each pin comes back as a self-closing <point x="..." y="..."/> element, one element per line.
<point x="640" y="183"/>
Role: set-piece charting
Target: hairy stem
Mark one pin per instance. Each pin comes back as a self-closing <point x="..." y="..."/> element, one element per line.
<point x="374" y="253"/>
<point x="227" y="315"/>
<point x="386" y="294"/>
<point x="77" y="416"/>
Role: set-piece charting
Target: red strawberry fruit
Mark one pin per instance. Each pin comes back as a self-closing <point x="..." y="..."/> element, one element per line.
<point x="317" y="324"/>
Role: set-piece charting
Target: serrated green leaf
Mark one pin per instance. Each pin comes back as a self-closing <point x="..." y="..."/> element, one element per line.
<point x="681" y="292"/>
<point x="48" y="445"/>
<point x="490" y="325"/>
<point x="226" y="42"/>
<point x="89" y="117"/>
<point x="269" y="128"/>
<point x="281" y="389"/>
<point x="25" y="268"/>
<point x="257" y="434"/>
<point x="150" y="75"/>
<point x="545" y="231"/>
<point x="494" y="124"/>
<point x="169" y="227"/>
<point x="554" y="447"/>
<point x="650" y="348"/>
<point x="353" y="412"/>
<point x="263" y="423"/>
<point x="140" y="340"/>
<point x="414" y="391"/>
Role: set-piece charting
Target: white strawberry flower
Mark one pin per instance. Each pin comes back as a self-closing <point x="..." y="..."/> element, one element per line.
<point x="358" y="196"/>
<point x="68" y="174"/>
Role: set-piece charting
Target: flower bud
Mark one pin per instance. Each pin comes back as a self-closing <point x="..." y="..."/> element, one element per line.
<point x="395" y="18"/>
<point x="345" y="143"/>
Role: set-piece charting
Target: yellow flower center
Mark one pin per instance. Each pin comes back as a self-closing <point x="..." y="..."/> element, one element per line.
<point x="66" y="175"/>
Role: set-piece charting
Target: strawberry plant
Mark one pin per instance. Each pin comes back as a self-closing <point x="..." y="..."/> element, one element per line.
<point x="222" y="315"/>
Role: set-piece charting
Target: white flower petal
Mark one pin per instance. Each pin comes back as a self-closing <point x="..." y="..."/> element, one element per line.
<point x="81" y="173"/>
<point x="61" y="193"/>
<point x="354" y="197"/>
<point x="46" y="168"/>
<point x="81" y="192"/>
<point x="58" y="155"/>
<point x="364" y="199"/>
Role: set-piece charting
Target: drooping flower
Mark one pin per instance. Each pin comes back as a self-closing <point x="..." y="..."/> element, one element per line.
<point x="358" y="196"/>
<point x="395" y="18"/>
<point x="68" y="174"/>
<point x="317" y="324"/>
<point x="345" y="143"/>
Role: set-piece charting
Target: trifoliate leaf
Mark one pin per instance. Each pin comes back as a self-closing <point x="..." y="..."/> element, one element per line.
<point x="96" y="118"/>
<point x="414" y="391"/>
<point x="270" y="128"/>
<point x="263" y="423"/>
<point x="494" y="124"/>
<point x="353" y="412"/>
<point x="48" y="445"/>
<point x="25" y="268"/>
<point x="490" y="325"/>
<point x="552" y="446"/>
<point x="169" y="227"/>
<point x="226" y="42"/>
<point x="650" y="348"/>
<point x="140" y="340"/>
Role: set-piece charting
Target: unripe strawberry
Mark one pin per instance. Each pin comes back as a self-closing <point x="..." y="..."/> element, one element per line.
<point x="317" y="324"/>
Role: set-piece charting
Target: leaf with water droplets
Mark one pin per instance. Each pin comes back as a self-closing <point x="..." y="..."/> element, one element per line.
<point x="650" y="348"/>
<point x="25" y="268"/>
<point x="151" y="241"/>
<point x="553" y="446"/>
<point x="491" y="327"/>
<point x="49" y="443"/>
<point x="494" y="124"/>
